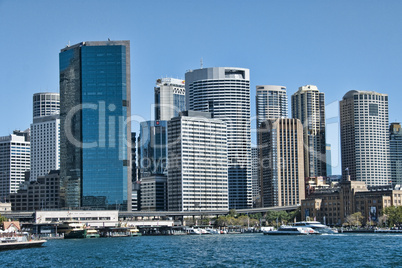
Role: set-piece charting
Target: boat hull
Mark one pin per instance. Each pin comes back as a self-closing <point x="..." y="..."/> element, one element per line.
<point x="21" y="245"/>
<point x="75" y="234"/>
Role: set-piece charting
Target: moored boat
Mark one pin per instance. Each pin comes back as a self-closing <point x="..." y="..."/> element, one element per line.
<point x="134" y="232"/>
<point x="72" y="229"/>
<point x="91" y="233"/>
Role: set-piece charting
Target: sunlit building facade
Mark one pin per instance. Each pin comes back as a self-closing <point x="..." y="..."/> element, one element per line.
<point x="45" y="134"/>
<point x="14" y="162"/>
<point x="365" y="137"/>
<point x="225" y="92"/>
<point x="170" y="98"/>
<point x="308" y="105"/>
<point x="282" y="162"/>
<point x="198" y="163"/>
<point x="271" y="103"/>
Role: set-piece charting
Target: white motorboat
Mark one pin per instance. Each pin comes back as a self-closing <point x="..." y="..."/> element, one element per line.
<point x="291" y="230"/>
<point x="317" y="226"/>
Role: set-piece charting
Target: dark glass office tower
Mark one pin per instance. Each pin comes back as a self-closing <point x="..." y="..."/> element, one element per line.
<point x="95" y="134"/>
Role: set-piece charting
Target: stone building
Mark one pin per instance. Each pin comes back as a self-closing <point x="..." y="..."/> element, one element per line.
<point x="331" y="206"/>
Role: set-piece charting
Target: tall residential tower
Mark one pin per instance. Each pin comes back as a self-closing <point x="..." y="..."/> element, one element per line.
<point x="364" y="137"/>
<point x="45" y="134"/>
<point x="395" y="148"/>
<point x="225" y="92"/>
<point x="95" y="134"/>
<point x="281" y="158"/>
<point x="308" y="106"/>
<point x="14" y="162"/>
<point x="198" y="167"/>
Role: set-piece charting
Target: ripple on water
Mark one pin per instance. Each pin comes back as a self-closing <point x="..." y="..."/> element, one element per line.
<point x="247" y="250"/>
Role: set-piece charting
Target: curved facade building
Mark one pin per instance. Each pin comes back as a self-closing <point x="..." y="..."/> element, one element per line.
<point x="45" y="104"/>
<point x="225" y="92"/>
<point x="45" y="134"/>
<point x="364" y="137"/>
<point x="271" y="103"/>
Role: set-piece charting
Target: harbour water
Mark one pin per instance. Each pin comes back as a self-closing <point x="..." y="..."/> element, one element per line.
<point x="241" y="250"/>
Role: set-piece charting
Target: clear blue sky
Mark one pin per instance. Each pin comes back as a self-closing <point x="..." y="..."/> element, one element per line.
<point x="336" y="45"/>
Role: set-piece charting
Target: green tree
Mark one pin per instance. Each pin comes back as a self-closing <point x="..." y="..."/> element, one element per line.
<point x="277" y="217"/>
<point x="354" y="219"/>
<point x="2" y="219"/>
<point x="393" y="215"/>
<point x="295" y="214"/>
<point x="232" y="213"/>
<point x="221" y="221"/>
<point x="256" y="216"/>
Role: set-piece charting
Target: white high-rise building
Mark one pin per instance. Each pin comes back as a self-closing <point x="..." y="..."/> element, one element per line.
<point x="170" y="98"/>
<point x="198" y="163"/>
<point x="308" y="105"/>
<point x="271" y="103"/>
<point x="14" y="162"/>
<point x="364" y="137"/>
<point x="45" y="134"/>
<point x="225" y="92"/>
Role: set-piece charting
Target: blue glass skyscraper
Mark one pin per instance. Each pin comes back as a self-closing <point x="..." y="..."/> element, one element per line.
<point x="95" y="136"/>
<point x="153" y="148"/>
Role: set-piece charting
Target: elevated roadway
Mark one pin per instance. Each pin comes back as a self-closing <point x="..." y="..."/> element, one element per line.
<point x="30" y="215"/>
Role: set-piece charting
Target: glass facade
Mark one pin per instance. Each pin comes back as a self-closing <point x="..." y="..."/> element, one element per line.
<point x="153" y="148"/>
<point x="94" y="93"/>
<point x="395" y="144"/>
<point x="179" y="102"/>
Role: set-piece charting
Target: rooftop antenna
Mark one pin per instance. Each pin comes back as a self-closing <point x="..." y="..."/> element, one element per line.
<point x="201" y="63"/>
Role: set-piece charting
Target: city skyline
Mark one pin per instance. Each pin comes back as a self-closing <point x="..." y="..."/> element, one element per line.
<point x="339" y="47"/>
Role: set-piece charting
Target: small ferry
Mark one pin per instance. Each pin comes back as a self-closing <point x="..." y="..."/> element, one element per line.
<point x="134" y="232"/>
<point x="72" y="229"/>
<point x="91" y="233"/>
<point x="291" y="230"/>
<point x="317" y="226"/>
